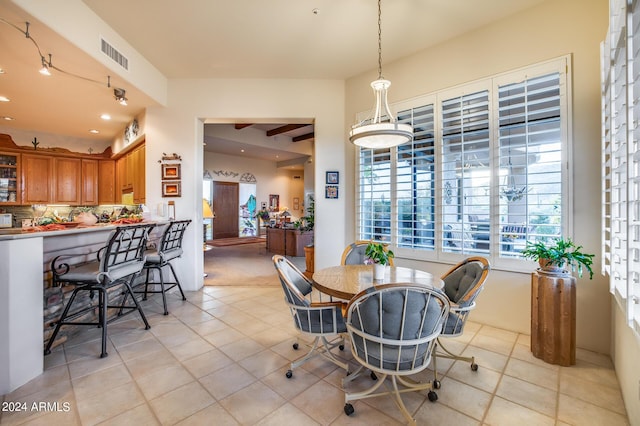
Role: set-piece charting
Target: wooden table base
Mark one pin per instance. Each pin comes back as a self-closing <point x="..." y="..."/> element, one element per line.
<point x="553" y="318"/>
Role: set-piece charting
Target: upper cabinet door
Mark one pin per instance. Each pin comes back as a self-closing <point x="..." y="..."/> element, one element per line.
<point x="10" y="178"/>
<point x="90" y="188"/>
<point x="68" y="181"/>
<point x="107" y="182"/>
<point x="37" y="174"/>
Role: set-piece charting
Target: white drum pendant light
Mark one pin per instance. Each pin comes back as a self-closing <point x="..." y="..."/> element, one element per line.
<point x="383" y="130"/>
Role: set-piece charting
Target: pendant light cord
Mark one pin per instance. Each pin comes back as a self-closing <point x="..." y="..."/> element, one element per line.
<point x="379" y="39"/>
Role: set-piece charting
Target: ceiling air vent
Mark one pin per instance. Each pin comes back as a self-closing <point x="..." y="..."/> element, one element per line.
<point x="111" y="52"/>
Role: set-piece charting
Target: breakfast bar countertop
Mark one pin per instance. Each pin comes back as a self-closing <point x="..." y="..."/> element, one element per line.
<point x="19" y="233"/>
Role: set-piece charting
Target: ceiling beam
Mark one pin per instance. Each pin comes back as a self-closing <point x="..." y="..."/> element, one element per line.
<point x="285" y="128"/>
<point x="240" y="126"/>
<point x="303" y="137"/>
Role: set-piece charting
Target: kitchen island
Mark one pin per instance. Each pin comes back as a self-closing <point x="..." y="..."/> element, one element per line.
<point x="24" y="273"/>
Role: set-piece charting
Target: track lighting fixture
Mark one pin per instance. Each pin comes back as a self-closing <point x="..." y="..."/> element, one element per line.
<point x="119" y="94"/>
<point x="48" y="66"/>
<point x="45" y="67"/>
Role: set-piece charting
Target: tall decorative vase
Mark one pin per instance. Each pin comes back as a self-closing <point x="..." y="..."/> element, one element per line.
<point x="378" y="271"/>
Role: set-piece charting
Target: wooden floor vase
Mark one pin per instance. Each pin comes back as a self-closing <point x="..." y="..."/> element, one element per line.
<point x="553" y="317"/>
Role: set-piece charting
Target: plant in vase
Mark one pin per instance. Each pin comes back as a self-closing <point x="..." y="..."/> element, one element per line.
<point x="263" y="215"/>
<point x="378" y="254"/>
<point x="559" y="254"/>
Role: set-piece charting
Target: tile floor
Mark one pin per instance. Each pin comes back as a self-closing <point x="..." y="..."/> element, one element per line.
<point x="220" y="359"/>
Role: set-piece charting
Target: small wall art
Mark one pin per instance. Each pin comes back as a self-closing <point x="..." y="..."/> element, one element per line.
<point x="331" y="191"/>
<point x="170" y="171"/>
<point x="171" y="189"/>
<point x="333" y="178"/>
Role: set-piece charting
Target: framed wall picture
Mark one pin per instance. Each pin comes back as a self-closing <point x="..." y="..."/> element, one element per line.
<point x="331" y="191"/>
<point x="296" y="203"/>
<point x="170" y="171"/>
<point x="171" y="189"/>
<point x="333" y="178"/>
<point x="274" y="202"/>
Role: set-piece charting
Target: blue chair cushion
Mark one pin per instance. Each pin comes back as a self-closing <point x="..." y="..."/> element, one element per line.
<point x="396" y="357"/>
<point x="356" y="255"/>
<point x="458" y="283"/>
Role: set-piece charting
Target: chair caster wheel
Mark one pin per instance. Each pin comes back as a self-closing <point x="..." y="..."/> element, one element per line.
<point x="433" y="397"/>
<point x="436" y="384"/>
<point x="341" y="347"/>
<point x="348" y="409"/>
<point x="289" y="374"/>
<point x="147" y="327"/>
<point x="373" y="376"/>
<point x="295" y="346"/>
<point x="474" y="366"/>
<point x="47" y="352"/>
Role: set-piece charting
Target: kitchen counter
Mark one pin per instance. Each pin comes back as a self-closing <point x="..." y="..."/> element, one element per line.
<point x="24" y="272"/>
<point x="18" y="233"/>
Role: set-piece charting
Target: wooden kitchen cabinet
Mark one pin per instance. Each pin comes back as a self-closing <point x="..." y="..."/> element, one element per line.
<point x="139" y="187"/>
<point x="9" y="178"/>
<point x="130" y="174"/>
<point x="90" y="187"/>
<point x="67" y="181"/>
<point x="37" y="175"/>
<point x="107" y="182"/>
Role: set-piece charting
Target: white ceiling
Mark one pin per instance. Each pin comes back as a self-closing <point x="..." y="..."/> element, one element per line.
<point x="217" y="39"/>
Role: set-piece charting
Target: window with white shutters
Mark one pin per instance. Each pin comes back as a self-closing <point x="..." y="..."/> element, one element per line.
<point x="415" y="182"/>
<point x="465" y="202"/>
<point x="485" y="172"/>
<point x="374" y="208"/>
<point x="621" y="157"/>
<point x="530" y="158"/>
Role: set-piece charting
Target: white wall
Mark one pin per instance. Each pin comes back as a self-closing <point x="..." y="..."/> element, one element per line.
<point x="179" y="128"/>
<point x="570" y="26"/>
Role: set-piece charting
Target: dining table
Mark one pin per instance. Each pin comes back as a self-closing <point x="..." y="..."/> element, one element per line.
<point x="345" y="281"/>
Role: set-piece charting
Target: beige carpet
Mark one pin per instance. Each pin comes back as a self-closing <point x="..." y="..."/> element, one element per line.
<point x="246" y="264"/>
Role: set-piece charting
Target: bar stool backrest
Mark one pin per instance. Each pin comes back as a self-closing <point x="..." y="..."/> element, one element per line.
<point x="124" y="253"/>
<point x="171" y="243"/>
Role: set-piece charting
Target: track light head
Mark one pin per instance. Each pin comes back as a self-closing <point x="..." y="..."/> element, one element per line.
<point x="119" y="94"/>
<point x="45" y="67"/>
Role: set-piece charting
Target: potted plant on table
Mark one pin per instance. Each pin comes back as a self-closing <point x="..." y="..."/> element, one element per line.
<point x="558" y="255"/>
<point x="378" y="254"/>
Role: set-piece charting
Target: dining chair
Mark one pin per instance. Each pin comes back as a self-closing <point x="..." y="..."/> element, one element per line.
<point x="353" y="254"/>
<point x="318" y="319"/>
<point x="392" y="329"/>
<point x="169" y="248"/>
<point x="116" y="264"/>
<point x="462" y="285"/>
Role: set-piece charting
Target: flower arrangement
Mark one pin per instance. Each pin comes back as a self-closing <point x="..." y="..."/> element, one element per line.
<point x="263" y="214"/>
<point x="378" y="253"/>
<point x="558" y="254"/>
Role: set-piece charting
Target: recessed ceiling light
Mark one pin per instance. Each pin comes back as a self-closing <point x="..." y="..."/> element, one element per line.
<point x="105" y="117"/>
<point x="1" y="70"/>
<point x="242" y="150"/>
<point x="4" y="99"/>
<point x="94" y="131"/>
<point x="7" y="118"/>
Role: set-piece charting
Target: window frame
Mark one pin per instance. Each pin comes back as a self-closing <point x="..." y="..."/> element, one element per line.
<point x="562" y="65"/>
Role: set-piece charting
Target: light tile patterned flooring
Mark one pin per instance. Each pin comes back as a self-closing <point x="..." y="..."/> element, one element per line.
<point x="220" y="359"/>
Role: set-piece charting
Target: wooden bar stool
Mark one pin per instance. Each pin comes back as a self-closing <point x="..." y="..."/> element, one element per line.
<point x="116" y="264"/>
